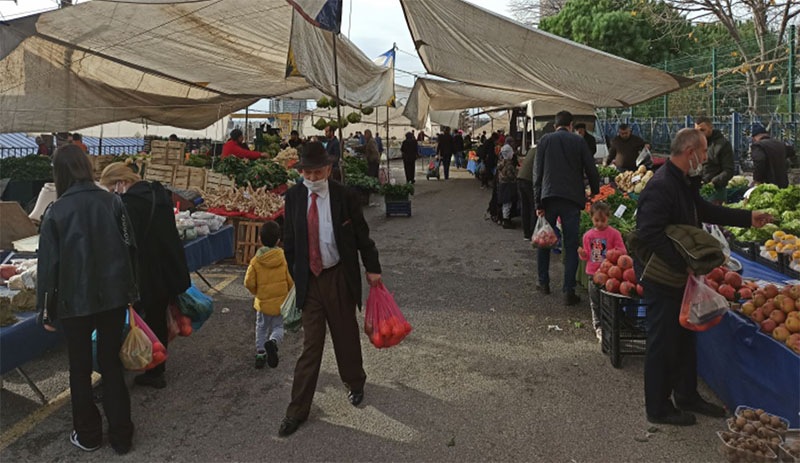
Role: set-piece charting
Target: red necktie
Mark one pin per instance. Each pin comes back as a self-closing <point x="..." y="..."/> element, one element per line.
<point x="314" y="254"/>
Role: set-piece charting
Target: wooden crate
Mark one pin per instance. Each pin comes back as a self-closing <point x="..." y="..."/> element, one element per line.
<point x="99" y="163"/>
<point x="188" y="178"/>
<point x="171" y="153"/>
<point x="216" y="180"/>
<point x="248" y="241"/>
<point x="160" y="173"/>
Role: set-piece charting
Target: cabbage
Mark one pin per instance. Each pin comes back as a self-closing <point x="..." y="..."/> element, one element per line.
<point x="763" y="196"/>
<point x="787" y="198"/>
<point x="791" y="226"/>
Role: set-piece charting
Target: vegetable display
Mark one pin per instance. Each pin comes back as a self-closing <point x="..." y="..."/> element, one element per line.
<point x="258" y="201"/>
<point x="782" y="204"/>
<point x="258" y="173"/>
<point x="633" y="181"/>
<point x="31" y="167"/>
<point x="355" y="175"/>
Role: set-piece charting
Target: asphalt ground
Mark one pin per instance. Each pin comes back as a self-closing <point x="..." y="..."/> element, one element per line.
<point x="483" y="376"/>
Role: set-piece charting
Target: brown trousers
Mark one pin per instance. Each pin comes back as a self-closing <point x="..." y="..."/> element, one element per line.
<point x="326" y="300"/>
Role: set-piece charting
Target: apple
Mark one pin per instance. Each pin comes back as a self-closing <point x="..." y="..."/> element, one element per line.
<point x="612" y="285"/>
<point x="640" y="290"/>
<point x="758" y="315"/>
<point x="794" y="292"/>
<point x="767" y="308"/>
<point x="780" y="333"/>
<point x="615" y="272"/>
<point x="605" y="266"/>
<point x="612" y="255"/>
<point x="625" y="262"/>
<point x="745" y="293"/>
<point x="777" y="316"/>
<point x="626" y="288"/>
<point x="629" y="275"/>
<point x="793" y="324"/>
<point x="733" y="279"/>
<point x="768" y="326"/>
<point x="759" y="298"/>
<point x="712" y="284"/>
<point x="770" y="291"/>
<point x="748" y="308"/>
<point x="728" y="291"/>
<point x="600" y="278"/>
<point x="788" y="305"/>
<point x="717" y="275"/>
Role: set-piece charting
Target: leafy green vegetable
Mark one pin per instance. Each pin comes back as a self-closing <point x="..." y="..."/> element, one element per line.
<point x="788" y="216"/>
<point x="762" y="196"/>
<point x="198" y="160"/>
<point x="397" y="190"/>
<point x="31" y="167"/>
<point x="707" y="190"/>
<point x="791" y="226"/>
<point x="787" y="198"/>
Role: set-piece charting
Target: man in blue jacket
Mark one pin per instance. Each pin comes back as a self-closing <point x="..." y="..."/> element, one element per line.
<point x="559" y="193"/>
<point x="672" y="196"/>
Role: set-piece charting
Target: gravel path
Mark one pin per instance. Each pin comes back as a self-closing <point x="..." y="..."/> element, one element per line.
<point x="480" y="378"/>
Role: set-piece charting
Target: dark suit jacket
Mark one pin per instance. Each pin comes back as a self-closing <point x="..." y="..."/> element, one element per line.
<point x="350" y="231"/>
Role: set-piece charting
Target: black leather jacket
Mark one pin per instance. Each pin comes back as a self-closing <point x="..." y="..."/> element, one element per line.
<point x="85" y="247"/>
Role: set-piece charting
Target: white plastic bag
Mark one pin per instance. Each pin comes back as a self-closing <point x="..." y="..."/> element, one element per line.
<point x="543" y="234"/>
<point x="715" y="231"/>
<point x="644" y="157"/>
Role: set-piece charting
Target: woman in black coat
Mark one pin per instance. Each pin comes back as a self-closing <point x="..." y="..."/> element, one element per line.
<point x="85" y="280"/>
<point x="410" y="151"/>
<point x="160" y="261"/>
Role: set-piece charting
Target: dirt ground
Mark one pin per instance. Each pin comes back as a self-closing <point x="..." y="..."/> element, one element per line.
<point x="483" y="376"/>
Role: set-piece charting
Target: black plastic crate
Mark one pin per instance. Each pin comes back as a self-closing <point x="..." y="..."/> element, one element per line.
<point x="784" y="260"/>
<point x="770" y="264"/>
<point x="745" y="249"/>
<point x="623" y="322"/>
<point x="398" y="208"/>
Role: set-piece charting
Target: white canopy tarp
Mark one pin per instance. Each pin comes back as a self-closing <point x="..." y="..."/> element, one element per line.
<point x="185" y="64"/>
<point x="465" y="43"/>
<point x="429" y="95"/>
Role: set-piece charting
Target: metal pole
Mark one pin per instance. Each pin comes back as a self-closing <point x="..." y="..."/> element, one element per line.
<point x="792" y="51"/>
<point x="246" y="123"/>
<point x="386" y="145"/>
<point x="338" y="107"/>
<point x="714" y="82"/>
<point x="666" y="95"/>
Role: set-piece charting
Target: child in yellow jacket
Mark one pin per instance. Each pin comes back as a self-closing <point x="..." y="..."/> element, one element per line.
<point x="269" y="281"/>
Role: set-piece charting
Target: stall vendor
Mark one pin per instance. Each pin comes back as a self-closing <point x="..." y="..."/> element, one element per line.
<point x="235" y="147"/>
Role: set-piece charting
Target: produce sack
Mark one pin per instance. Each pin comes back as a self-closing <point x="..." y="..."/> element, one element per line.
<point x="196" y="305"/>
<point x="291" y="314"/>
<point x="543" y="234"/>
<point x="137" y="349"/>
<point x="702" y="307"/>
<point x="158" y="349"/>
<point x="383" y="321"/>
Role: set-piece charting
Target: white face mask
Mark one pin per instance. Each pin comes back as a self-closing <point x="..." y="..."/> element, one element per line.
<point x="697" y="169"/>
<point x="316" y="187"/>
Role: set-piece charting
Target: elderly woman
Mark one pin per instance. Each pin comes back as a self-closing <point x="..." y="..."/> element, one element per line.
<point x="410" y="151"/>
<point x="162" y="273"/>
<point x="507" y="180"/>
<point x="43" y="149"/>
<point x="85" y="281"/>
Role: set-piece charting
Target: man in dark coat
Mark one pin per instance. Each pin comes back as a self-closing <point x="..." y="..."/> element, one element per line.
<point x="444" y="149"/>
<point x="324" y="233"/>
<point x="718" y="168"/>
<point x="624" y="149"/>
<point x="770" y="159"/>
<point x="580" y="129"/>
<point x="672" y="196"/>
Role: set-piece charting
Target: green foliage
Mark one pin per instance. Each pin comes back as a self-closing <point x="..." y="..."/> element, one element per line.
<point x="320" y="123"/>
<point x="267" y="174"/>
<point x="31" y="167"/>
<point x="354" y="117"/>
<point x="323" y="103"/>
<point x="762" y="196"/>
<point x="367" y="111"/>
<point x="787" y="199"/>
<point x="198" y="160"/>
<point x="631" y="29"/>
<point x="399" y="190"/>
<point x="355" y="175"/>
<point x="607" y="171"/>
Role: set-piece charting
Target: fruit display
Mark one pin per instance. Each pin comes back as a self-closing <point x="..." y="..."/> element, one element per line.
<point x="780" y="243"/>
<point x="616" y="275"/>
<point x="777" y="311"/>
<point x="756" y="429"/>
<point x="775" y="422"/>
<point x="633" y="181"/>
<point x="738" y="448"/>
<point x="730" y="284"/>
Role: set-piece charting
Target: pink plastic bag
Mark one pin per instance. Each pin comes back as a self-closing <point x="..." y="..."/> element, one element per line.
<point x="702" y="307"/>
<point x="383" y="321"/>
<point x="159" y="350"/>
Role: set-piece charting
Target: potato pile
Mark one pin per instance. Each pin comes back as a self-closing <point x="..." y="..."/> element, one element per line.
<point x="633" y="181"/>
<point x="739" y="448"/>
<point x="258" y="201"/>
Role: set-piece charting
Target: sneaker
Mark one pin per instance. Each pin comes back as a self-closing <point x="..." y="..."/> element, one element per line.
<point x="571" y="298"/>
<point x="599" y="333"/>
<point x="261" y="360"/>
<point x="154" y="381"/>
<point x="272" y="353"/>
<point x="544" y="289"/>
<point x="73" y="438"/>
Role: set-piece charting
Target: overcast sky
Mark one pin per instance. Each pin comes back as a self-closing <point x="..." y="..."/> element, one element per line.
<point x="375" y="26"/>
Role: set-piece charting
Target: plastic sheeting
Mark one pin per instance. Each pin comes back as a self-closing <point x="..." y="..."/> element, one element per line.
<point x="465" y="43"/>
<point x="184" y="64"/>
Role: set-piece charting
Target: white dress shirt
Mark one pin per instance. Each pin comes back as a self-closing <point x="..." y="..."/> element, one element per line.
<point x="327" y="240"/>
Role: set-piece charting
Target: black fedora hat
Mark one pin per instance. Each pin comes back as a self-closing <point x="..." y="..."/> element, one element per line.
<point x="313" y="156"/>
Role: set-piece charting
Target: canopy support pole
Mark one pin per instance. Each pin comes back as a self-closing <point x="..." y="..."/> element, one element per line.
<point x="338" y="107"/>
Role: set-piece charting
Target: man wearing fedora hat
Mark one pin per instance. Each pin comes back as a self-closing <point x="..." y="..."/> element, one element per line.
<point x="324" y="233"/>
<point x="770" y="158"/>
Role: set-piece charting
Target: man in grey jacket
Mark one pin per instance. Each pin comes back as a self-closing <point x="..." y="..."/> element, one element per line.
<point x="562" y="160"/>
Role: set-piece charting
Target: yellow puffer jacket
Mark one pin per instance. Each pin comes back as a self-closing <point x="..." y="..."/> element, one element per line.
<point x="268" y="280"/>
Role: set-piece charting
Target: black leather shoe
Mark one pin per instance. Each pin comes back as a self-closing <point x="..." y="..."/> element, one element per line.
<point x="544" y="289"/>
<point x="355" y="397"/>
<point x="154" y="381"/>
<point x="675" y="418"/>
<point x="571" y="298"/>
<point x="701" y="407"/>
<point x="289" y="426"/>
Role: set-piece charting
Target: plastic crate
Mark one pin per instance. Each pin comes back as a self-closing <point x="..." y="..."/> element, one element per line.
<point x="786" y="269"/>
<point x="623" y="322"/>
<point x="770" y="264"/>
<point x="747" y="249"/>
<point x="398" y="208"/>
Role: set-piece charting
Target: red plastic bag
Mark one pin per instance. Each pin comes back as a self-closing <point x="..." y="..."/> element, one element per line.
<point x="383" y="321"/>
<point x="183" y="322"/>
<point x="159" y="351"/>
<point x="702" y="307"/>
